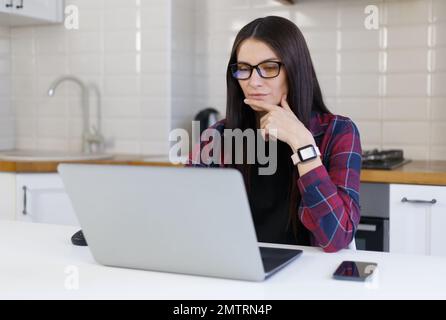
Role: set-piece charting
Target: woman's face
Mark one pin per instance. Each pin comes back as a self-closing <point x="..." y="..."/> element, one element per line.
<point x="253" y="52"/>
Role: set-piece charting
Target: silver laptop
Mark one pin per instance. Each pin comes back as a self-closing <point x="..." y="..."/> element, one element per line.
<point x="181" y="220"/>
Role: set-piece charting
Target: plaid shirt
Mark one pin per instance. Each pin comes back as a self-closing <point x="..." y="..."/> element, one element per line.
<point x="329" y="206"/>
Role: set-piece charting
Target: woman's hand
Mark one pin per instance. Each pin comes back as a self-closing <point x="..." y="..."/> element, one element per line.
<point x="281" y="123"/>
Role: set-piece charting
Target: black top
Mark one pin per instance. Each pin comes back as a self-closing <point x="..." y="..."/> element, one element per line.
<point x="270" y="200"/>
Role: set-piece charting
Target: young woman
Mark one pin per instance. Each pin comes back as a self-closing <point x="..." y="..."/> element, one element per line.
<point x="313" y="197"/>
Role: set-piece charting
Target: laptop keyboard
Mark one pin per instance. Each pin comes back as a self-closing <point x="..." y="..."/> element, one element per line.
<point x="275" y="258"/>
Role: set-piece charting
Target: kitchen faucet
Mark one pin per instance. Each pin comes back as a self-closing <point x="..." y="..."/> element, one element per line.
<point x="94" y="136"/>
<point x="90" y="136"/>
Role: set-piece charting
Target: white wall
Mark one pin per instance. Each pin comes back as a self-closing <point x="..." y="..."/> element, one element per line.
<point x="6" y="110"/>
<point x="183" y="62"/>
<point x="123" y="47"/>
<point x="155" y="73"/>
<point x="390" y="81"/>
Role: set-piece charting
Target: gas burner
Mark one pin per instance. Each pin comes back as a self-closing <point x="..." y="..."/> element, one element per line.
<point x="384" y="159"/>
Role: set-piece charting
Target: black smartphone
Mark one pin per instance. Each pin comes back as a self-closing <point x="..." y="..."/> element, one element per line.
<point x="355" y="270"/>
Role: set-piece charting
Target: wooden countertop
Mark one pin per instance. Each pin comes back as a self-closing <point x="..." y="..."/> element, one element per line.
<point x="51" y="166"/>
<point x="415" y="172"/>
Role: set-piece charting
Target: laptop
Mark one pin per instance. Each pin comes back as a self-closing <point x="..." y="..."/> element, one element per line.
<point x="171" y="219"/>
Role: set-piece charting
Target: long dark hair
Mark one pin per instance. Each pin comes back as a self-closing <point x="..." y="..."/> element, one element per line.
<point x="304" y="94"/>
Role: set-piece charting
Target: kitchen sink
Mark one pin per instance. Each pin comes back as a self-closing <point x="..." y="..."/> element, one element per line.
<point x="41" y="155"/>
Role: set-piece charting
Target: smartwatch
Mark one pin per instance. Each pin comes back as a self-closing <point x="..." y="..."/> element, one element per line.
<point x="305" y="154"/>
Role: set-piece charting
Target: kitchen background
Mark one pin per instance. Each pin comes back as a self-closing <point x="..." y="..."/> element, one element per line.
<point x="158" y="62"/>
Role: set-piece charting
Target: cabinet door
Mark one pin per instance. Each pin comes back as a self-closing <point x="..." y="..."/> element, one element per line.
<point x="45" y="10"/>
<point x="7" y="198"/>
<point x="5" y="12"/>
<point x="42" y="198"/>
<point x="6" y="6"/>
<point x="438" y="223"/>
<point x="408" y="222"/>
<point x="416" y="219"/>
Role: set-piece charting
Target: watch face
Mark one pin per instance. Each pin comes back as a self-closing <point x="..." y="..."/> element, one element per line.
<point x="307" y="153"/>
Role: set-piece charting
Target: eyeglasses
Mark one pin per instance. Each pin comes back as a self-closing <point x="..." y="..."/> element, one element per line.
<point x="266" y="70"/>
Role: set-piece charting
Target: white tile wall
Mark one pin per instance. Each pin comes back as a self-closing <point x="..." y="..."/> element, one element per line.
<point x="7" y="125"/>
<point x="121" y="46"/>
<point x="390" y="81"/>
<point x="159" y="62"/>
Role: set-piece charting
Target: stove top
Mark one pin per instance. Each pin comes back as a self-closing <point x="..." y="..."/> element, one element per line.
<point x="384" y="159"/>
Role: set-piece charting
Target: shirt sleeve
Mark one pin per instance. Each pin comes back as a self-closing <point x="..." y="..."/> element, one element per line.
<point x="330" y="193"/>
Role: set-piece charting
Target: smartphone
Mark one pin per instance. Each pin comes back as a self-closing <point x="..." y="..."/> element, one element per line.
<point x="355" y="270"/>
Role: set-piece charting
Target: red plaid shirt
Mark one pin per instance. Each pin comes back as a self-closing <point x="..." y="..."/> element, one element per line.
<point x="329" y="206"/>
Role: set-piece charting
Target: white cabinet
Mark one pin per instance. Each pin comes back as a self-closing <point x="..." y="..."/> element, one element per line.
<point x="47" y="10"/>
<point x="6" y="6"/>
<point x="7" y="196"/>
<point x="41" y="198"/>
<point x="418" y="219"/>
<point x="438" y="225"/>
<point x="29" y="12"/>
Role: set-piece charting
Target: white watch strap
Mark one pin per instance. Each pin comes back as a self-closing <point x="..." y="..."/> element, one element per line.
<point x="296" y="159"/>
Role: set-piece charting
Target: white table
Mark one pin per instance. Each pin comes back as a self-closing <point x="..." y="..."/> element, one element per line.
<point x="38" y="261"/>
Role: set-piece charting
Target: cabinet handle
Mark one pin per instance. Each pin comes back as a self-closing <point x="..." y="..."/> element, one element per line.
<point x="24" y="201"/>
<point x="433" y="201"/>
<point x="20" y="6"/>
<point x="367" y="227"/>
<point x="10" y="4"/>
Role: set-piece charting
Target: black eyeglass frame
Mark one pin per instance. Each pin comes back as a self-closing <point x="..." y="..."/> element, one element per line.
<point x="231" y="66"/>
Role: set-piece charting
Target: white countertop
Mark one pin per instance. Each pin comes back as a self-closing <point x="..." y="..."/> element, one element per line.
<point x="38" y="262"/>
